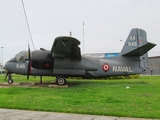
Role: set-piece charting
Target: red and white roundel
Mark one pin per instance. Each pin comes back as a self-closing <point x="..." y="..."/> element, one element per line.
<point x="105" y="67"/>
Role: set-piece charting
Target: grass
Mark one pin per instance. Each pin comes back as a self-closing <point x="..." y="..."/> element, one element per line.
<point x="98" y="97"/>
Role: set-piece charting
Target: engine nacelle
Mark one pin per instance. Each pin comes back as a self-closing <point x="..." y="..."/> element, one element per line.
<point x="42" y="60"/>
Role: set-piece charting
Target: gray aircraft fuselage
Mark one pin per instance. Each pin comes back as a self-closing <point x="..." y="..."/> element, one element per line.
<point x="65" y="59"/>
<point x="88" y="66"/>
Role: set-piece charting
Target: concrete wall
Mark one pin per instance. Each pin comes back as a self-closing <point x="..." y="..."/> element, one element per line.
<point x="153" y="66"/>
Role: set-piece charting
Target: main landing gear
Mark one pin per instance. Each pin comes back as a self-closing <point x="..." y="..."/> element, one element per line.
<point x="10" y="80"/>
<point x="60" y="80"/>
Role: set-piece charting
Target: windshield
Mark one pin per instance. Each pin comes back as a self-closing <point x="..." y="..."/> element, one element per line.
<point x="22" y="56"/>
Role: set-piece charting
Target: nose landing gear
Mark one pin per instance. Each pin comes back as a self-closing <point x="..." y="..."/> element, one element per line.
<point x="10" y="80"/>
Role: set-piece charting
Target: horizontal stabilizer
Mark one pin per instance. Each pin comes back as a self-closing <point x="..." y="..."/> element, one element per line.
<point x="140" y="50"/>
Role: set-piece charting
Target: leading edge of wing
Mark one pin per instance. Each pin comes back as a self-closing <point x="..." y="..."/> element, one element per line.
<point x="65" y="46"/>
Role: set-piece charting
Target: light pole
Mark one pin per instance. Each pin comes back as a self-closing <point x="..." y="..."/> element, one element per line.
<point x="2" y="60"/>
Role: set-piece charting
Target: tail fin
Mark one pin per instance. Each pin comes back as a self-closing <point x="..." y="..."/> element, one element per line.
<point x="136" y="43"/>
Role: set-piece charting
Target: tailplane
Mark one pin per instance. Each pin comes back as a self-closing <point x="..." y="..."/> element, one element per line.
<point x="136" y="43"/>
<point x="137" y="46"/>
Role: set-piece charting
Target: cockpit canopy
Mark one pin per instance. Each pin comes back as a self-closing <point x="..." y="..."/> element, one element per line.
<point x="22" y="56"/>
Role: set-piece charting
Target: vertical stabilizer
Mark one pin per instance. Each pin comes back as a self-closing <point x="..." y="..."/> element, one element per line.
<point x="136" y="38"/>
<point x="136" y="45"/>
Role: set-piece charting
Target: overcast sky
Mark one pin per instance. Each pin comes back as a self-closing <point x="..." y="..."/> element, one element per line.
<point x="106" y="22"/>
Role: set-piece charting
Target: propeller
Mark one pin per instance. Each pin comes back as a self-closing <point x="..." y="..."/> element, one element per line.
<point x="29" y="63"/>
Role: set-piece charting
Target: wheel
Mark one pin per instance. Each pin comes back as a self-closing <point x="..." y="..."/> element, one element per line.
<point x="61" y="81"/>
<point x="10" y="81"/>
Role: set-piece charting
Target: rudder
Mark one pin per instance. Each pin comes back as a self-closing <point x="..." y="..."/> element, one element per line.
<point x="136" y="43"/>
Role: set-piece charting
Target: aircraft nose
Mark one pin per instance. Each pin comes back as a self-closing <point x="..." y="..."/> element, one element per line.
<point x="8" y="65"/>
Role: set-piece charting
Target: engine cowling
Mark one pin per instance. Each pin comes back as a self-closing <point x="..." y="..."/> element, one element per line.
<point x="42" y="60"/>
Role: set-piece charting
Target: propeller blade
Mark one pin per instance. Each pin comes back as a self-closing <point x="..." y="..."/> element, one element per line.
<point x="29" y="53"/>
<point x="28" y="69"/>
<point x="29" y="63"/>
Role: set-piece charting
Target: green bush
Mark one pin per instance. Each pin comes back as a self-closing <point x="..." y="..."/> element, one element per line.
<point x="111" y="77"/>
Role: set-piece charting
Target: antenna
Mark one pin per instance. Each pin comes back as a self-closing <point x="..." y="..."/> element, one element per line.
<point x="70" y="33"/>
<point x="28" y="24"/>
<point x="83" y="40"/>
<point x="121" y="40"/>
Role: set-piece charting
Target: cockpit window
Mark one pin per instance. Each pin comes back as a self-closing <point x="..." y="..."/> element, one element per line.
<point x="22" y="56"/>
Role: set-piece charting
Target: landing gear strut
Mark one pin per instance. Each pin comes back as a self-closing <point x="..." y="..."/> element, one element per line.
<point x="10" y="80"/>
<point x="40" y="79"/>
<point x="60" y="80"/>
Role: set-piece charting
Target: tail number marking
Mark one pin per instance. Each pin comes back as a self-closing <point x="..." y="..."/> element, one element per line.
<point x="132" y="37"/>
<point x="132" y="43"/>
<point x="20" y="66"/>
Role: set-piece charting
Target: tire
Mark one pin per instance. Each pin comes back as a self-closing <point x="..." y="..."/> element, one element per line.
<point x="60" y="81"/>
<point x="10" y="81"/>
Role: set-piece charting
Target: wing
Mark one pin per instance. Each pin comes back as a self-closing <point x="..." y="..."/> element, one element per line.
<point x="66" y="47"/>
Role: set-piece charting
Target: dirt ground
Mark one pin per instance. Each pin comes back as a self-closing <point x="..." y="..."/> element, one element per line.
<point x="30" y="84"/>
